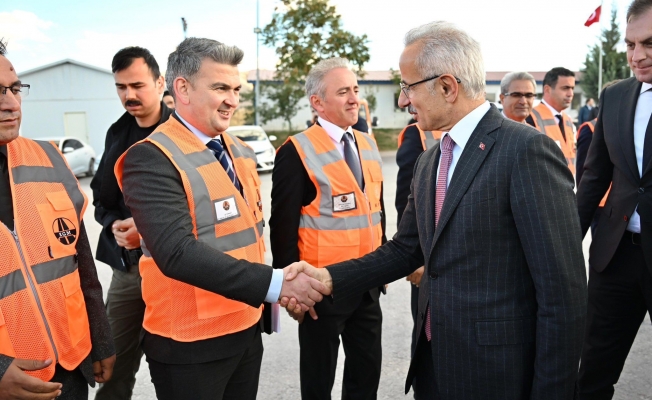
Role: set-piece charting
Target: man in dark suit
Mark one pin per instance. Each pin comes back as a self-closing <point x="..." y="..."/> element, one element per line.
<point x="202" y="274"/>
<point x="23" y="329"/>
<point x="620" y="258"/>
<point x="585" y="111"/>
<point x="490" y="215"/>
<point x="139" y="85"/>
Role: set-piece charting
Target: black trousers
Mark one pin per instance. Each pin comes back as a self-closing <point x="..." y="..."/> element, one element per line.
<point x="414" y="307"/>
<point x="232" y="378"/>
<point x="74" y="385"/>
<point x="360" y="327"/>
<point x="619" y="298"/>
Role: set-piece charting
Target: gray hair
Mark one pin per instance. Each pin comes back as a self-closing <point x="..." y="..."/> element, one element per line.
<point x="449" y="50"/>
<point x="315" y="79"/>
<point x="516" y="76"/>
<point x="186" y="60"/>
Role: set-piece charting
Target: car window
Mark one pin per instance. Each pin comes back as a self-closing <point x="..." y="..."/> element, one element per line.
<point x="75" y="144"/>
<point x="250" y="135"/>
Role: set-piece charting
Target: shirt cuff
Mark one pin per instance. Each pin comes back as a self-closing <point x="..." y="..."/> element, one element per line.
<point x="275" y="286"/>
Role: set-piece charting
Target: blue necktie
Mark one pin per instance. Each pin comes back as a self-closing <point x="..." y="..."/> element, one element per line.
<point x="218" y="150"/>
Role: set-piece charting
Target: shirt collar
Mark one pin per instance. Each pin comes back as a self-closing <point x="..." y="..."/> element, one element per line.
<point x="645" y="87"/>
<point x="462" y="130"/>
<point x="552" y="109"/>
<point x="200" y="135"/>
<point x="334" y="131"/>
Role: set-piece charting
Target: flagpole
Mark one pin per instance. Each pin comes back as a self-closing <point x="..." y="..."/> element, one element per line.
<point x="600" y="48"/>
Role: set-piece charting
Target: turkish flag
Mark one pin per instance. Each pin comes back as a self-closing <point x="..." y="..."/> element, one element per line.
<point x="595" y="16"/>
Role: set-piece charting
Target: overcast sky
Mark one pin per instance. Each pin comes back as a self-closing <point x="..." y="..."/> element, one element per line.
<point x="526" y="35"/>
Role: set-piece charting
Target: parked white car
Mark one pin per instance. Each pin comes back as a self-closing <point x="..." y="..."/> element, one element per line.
<point x="80" y="156"/>
<point x="257" y="139"/>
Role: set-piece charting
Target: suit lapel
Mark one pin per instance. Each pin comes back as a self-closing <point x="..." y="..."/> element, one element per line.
<point x="476" y="151"/>
<point x="431" y="190"/>
<point x="626" y="120"/>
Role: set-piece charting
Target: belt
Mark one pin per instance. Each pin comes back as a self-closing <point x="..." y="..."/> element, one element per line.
<point x="634" y="238"/>
<point x="131" y="257"/>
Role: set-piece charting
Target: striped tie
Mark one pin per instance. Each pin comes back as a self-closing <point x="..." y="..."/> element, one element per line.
<point x="447" y="145"/>
<point x="216" y="147"/>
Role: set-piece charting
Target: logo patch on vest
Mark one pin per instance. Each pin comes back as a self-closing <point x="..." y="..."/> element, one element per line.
<point x="64" y="230"/>
<point x="226" y="209"/>
<point x="344" y="202"/>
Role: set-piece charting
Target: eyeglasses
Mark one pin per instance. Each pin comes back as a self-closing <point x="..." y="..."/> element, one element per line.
<point x="518" y="95"/>
<point x="21" y="90"/>
<point x="407" y="87"/>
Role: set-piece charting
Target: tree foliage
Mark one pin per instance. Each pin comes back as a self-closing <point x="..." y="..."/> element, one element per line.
<point x="304" y="32"/>
<point x="614" y="62"/>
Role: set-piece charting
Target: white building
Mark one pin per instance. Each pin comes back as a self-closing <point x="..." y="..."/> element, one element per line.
<point x="70" y="98"/>
<point x="380" y="84"/>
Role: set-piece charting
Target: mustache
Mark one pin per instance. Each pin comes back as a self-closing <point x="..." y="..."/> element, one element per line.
<point x="411" y="109"/>
<point x="130" y="103"/>
<point x="5" y="116"/>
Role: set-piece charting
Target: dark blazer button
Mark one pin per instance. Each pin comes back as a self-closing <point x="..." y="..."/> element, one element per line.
<point x="641" y="190"/>
<point x="434" y="275"/>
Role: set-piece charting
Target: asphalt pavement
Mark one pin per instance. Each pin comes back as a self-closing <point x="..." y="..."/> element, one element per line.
<point x="279" y="378"/>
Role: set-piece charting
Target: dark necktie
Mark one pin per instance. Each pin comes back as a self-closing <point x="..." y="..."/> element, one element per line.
<point x="218" y="150"/>
<point x="352" y="159"/>
<point x="647" y="147"/>
<point x="561" y="126"/>
<point x="447" y="145"/>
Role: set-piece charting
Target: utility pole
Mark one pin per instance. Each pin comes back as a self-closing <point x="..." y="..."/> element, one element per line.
<point x="257" y="31"/>
<point x="184" y="24"/>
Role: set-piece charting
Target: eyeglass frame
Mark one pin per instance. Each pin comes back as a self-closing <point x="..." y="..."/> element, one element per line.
<point x="405" y="88"/>
<point x="520" y="95"/>
<point x="3" y="89"/>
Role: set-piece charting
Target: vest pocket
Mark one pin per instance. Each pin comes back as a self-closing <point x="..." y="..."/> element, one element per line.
<point x="6" y="347"/>
<point x="211" y="305"/>
<point x="59" y="220"/>
<point x="75" y="307"/>
<point x="337" y="246"/>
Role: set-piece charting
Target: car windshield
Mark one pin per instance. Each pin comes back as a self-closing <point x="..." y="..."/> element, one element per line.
<point x="250" y="135"/>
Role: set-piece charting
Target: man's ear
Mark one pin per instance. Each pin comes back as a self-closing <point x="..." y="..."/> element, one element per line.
<point x="317" y="103"/>
<point x="449" y="87"/>
<point x="160" y="85"/>
<point x="181" y="90"/>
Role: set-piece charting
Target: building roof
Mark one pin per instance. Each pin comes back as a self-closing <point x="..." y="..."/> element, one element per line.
<point x="65" y="61"/>
<point x="386" y="76"/>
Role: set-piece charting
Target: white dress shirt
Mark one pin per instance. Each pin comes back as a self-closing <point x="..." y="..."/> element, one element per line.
<point x="336" y="133"/>
<point x="461" y="133"/>
<point x="641" y="119"/>
<point x="553" y="111"/>
<point x="276" y="283"/>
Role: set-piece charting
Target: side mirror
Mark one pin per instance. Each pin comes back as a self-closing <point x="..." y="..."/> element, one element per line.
<point x="272" y="138"/>
<point x="67" y="150"/>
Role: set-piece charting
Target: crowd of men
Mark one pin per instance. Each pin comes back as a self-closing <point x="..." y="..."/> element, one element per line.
<point x="490" y="233"/>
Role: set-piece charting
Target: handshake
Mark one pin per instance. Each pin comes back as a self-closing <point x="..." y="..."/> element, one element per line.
<point x="303" y="287"/>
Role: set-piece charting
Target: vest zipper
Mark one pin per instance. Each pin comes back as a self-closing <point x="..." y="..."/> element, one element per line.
<point x="35" y="293"/>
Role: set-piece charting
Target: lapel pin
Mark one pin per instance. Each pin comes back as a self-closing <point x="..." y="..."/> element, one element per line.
<point x="481" y="146"/>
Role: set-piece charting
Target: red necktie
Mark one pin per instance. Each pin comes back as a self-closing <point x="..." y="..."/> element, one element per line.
<point x="447" y="145"/>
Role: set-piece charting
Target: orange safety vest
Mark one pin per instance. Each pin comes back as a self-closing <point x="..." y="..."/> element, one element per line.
<point x="342" y="222"/>
<point x="222" y="218"/>
<point x="428" y="138"/>
<point x="42" y="310"/>
<point x="546" y="123"/>
<point x="591" y="125"/>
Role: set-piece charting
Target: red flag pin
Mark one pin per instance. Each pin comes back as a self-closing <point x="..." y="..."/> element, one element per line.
<point x="481" y="146"/>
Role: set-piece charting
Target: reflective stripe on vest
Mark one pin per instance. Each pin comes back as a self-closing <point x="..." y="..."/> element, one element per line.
<point x="591" y="125"/>
<point x="179" y="310"/>
<point x="42" y="309"/>
<point x="546" y="123"/>
<point x="322" y="230"/>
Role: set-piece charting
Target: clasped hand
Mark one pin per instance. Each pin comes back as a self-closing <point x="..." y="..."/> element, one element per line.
<point x="303" y="287"/>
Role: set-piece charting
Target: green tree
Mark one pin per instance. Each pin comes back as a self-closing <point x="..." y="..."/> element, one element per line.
<point x="614" y="62"/>
<point x="304" y="32"/>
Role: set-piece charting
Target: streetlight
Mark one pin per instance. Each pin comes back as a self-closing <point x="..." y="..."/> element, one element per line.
<point x="184" y="24"/>
<point x="257" y="31"/>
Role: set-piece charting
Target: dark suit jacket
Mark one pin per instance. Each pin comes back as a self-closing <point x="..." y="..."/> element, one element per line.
<point x="584" y="138"/>
<point x="154" y="192"/>
<point x="406" y="158"/>
<point x="107" y="197"/>
<point x="505" y="278"/>
<point x="584" y="114"/>
<point x="612" y="159"/>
